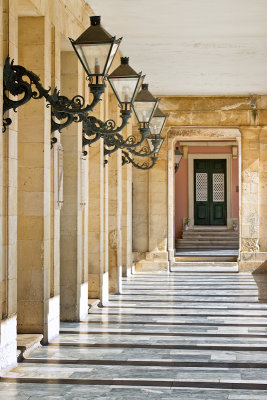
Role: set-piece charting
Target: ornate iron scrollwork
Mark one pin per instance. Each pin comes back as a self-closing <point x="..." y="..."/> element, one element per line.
<point x="94" y="128"/>
<point x="115" y="142"/>
<point x="31" y="88"/>
<point x="145" y="151"/>
<point x="127" y="159"/>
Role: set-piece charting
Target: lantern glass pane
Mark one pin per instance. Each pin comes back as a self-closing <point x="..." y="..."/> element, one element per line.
<point x="156" y="125"/>
<point x="141" y="80"/>
<point x="124" y="88"/>
<point x="113" y="52"/>
<point x="178" y="158"/>
<point x="150" y="144"/>
<point x="154" y="144"/>
<point x="144" y="110"/>
<point x="93" y="57"/>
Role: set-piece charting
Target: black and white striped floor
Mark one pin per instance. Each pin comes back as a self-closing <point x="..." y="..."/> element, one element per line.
<point x="177" y="336"/>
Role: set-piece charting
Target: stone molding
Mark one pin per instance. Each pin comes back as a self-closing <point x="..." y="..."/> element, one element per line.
<point x="203" y="132"/>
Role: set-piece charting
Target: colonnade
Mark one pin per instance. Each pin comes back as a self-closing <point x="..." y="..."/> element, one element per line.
<point x="66" y="217"/>
<point x="72" y="225"/>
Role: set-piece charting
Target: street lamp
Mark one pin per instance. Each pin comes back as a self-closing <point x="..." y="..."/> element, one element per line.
<point x="157" y="122"/>
<point x="144" y="105"/>
<point x="96" y="49"/>
<point x="177" y="158"/>
<point x="155" y="143"/>
<point x="125" y="82"/>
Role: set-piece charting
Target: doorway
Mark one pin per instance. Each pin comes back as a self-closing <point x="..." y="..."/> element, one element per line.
<point x="210" y="199"/>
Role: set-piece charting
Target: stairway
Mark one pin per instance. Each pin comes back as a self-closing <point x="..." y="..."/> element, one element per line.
<point x="208" y="238"/>
<point x="204" y="249"/>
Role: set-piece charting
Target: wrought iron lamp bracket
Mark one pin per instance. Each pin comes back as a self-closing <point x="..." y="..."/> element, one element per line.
<point x="94" y="128"/>
<point x="145" y="150"/>
<point x="146" y="165"/>
<point x="116" y="142"/>
<point x="31" y="88"/>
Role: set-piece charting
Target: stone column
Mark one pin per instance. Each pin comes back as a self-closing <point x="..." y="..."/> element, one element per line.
<point x="8" y="198"/>
<point x="34" y="235"/>
<point x="263" y="190"/>
<point x="55" y="206"/>
<point x="106" y="217"/>
<point x="115" y="210"/>
<point x="154" y="209"/>
<point x="171" y="201"/>
<point x="97" y="276"/>
<point x="127" y="212"/>
<point x="249" y="207"/>
<point x="140" y="214"/>
<point x="73" y="276"/>
<point x="158" y="211"/>
<point x="126" y="219"/>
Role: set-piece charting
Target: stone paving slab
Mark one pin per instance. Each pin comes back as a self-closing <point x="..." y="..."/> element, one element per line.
<point x="200" y="336"/>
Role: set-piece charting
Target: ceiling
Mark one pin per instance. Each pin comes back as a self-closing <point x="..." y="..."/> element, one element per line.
<point x="192" y="47"/>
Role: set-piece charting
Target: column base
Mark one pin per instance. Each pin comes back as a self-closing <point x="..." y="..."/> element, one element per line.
<point x="104" y="289"/>
<point x="53" y="319"/>
<point x="8" y="343"/>
<point x="257" y="264"/>
<point x="171" y="256"/>
<point x="253" y="262"/>
<point x="155" y="261"/>
<point x="83" y="300"/>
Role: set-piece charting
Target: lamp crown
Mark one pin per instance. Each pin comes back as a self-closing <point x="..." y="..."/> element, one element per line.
<point x="145" y="86"/>
<point x="159" y="113"/>
<point x="125" y="60"/>
<point x="95" y="20"/>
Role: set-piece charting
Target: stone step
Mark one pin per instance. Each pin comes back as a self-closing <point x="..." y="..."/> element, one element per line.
<point x="27" y="343"/>
<point x="204" y="258"/>
<point x="221" y="237"/>
<point x="204" y="267"/>
<point x="206" y="240"/>
<point x="205" y="247"/>
<point x="133" y="375"/>
<point x="206" y="228"/>
<point x="215" y="233"/>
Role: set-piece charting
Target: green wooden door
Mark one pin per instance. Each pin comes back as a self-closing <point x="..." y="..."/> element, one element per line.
<point x="210" y="206"/>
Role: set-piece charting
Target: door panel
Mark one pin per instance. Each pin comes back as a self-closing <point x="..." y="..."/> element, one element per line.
<point x="210" y="192"/>
<point x="201" y="199"/>
<point x="202" y="212"/>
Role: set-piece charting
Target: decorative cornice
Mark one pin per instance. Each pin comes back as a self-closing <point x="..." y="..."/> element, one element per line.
<point x="203" y="132"/>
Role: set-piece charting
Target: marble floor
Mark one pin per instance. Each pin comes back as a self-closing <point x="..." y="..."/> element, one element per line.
<point x="168" y="336"/>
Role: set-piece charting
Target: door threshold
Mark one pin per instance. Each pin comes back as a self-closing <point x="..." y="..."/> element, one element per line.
<point x="209" y="227"/>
